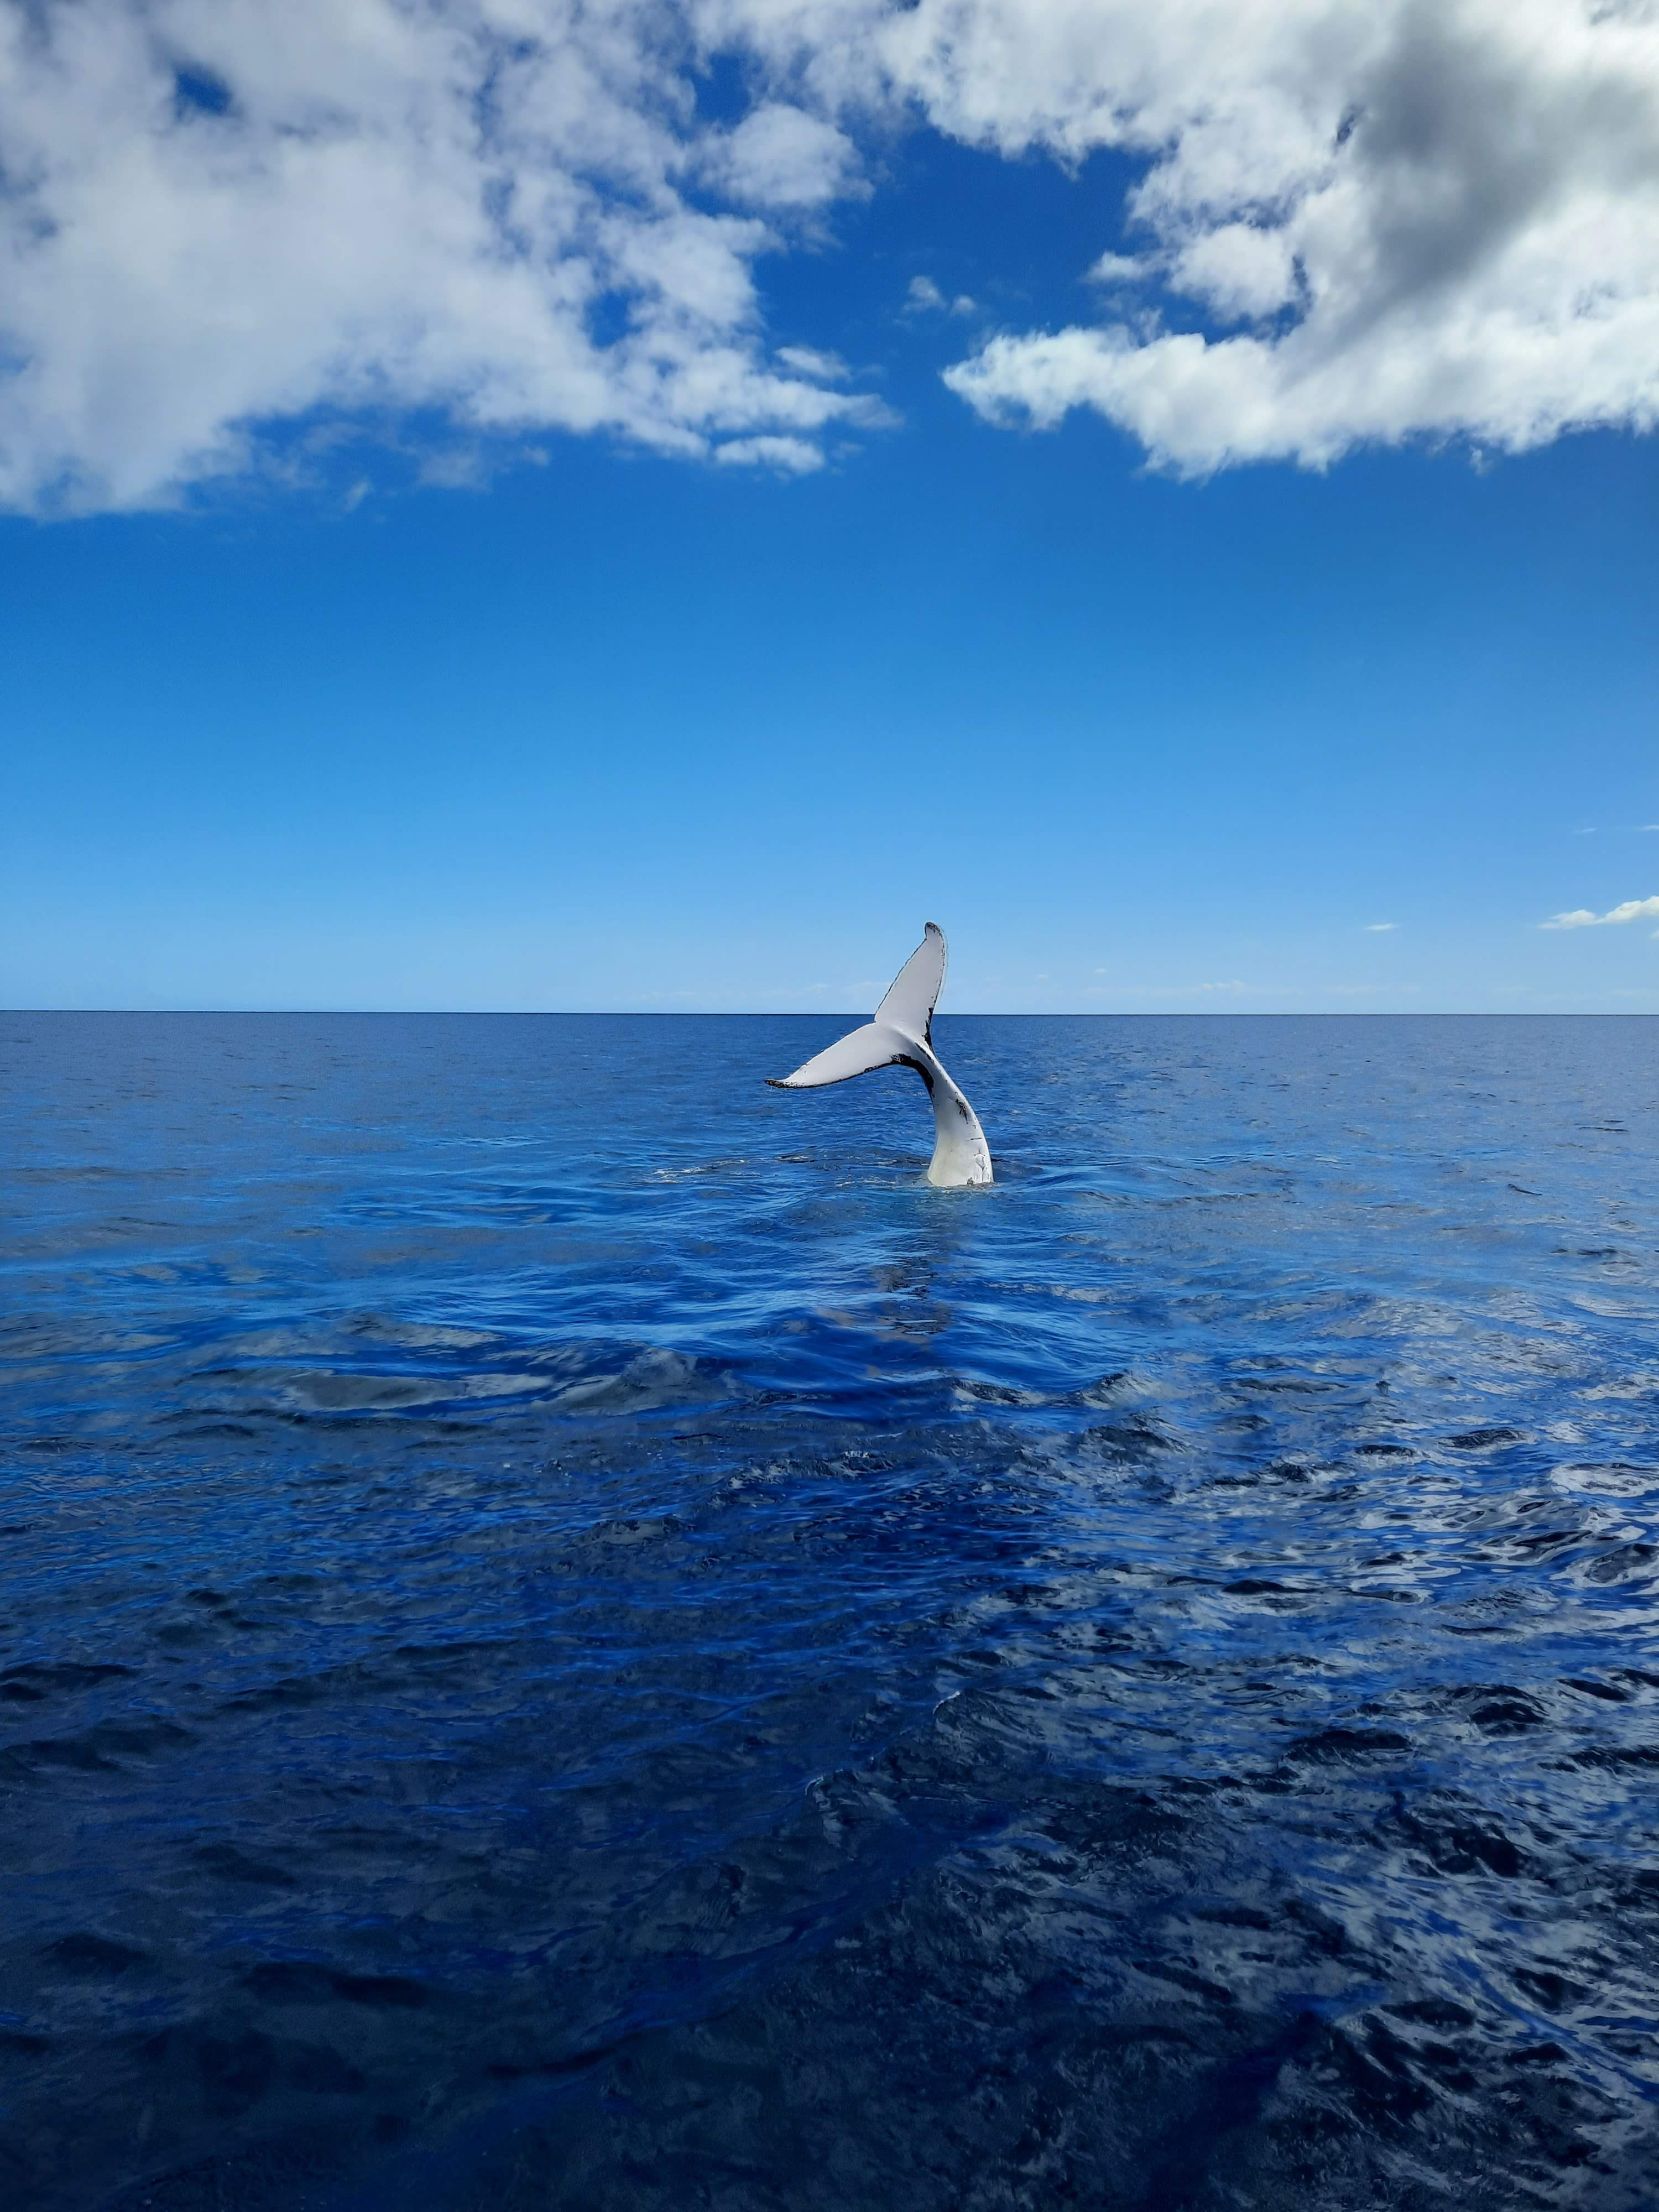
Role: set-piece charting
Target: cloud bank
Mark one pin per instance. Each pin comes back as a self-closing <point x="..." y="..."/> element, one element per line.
<point x="1642" y="909"/>
<point x="1352" y="224"/>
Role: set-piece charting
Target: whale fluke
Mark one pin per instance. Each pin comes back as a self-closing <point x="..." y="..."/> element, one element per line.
<point x="901" y="1035"/>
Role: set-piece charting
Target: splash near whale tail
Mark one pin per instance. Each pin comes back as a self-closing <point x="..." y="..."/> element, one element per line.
<point x="901" y="1035"/>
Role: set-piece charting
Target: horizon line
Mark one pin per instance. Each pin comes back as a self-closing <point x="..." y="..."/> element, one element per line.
<point x="794" y="1013"/>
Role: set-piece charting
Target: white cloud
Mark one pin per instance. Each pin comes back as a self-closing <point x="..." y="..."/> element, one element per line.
<point x="795" y="457"/>
<point x="1239" y="268"/>
<point x="1181" y="990"/>
<point x="808" y="360"/>
<point x="1451" y="213"/>
<point x="495" y="209"/>
<point x="779" y="156"/>
<point x="924" y="297"/>
<point x="1118" y="269"/>
<point x="1390" y="221"/>
<point x="1642" y="909"/>
<point x="1376" y="928"/>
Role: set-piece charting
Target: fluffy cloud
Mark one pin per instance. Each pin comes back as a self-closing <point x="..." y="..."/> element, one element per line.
<point x="1352" y="223"/>
<point x="214" y="216"/>
<point x="1642" y="909"/>
<point x="780" y="156"/>
<point x="1375" y="222"/>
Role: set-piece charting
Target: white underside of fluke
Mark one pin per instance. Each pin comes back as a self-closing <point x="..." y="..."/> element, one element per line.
<point x="900" y="1035"/>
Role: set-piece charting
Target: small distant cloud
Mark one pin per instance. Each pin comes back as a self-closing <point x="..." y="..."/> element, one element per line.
<point x="1171" y="990"/>
<point x="1186" y="990"/>
<point x="1642" y="909"/>
<point x="807" y="361"/>
<point x="1648" y="827"/>
<point x="1590" y="832"/>
<point x="454" y="468"/>
<point x="793" y="456"/>
<point x="1376" y="928"/>
<point x="359" y="492"/>
<point x="1369" y="990"/>
<point x="1118" y="269"/>
<point x="925" y="297"/>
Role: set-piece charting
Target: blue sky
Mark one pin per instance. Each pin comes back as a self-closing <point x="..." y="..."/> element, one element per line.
<point x="411" y="703"/>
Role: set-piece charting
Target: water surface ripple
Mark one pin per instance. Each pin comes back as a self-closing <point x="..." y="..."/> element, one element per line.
<point x="571" y="1634"/>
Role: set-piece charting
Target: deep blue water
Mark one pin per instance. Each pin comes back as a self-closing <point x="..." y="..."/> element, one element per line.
<point x="573" y="1635"/>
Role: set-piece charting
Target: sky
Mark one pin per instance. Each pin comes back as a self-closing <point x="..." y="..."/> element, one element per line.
<point x="511" y="506"/>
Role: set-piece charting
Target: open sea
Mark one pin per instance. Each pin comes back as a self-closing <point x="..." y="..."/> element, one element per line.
<point x="572" y="1635"/>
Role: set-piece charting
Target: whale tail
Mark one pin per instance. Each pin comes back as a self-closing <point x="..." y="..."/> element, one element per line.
<point x="901" y="1035"/>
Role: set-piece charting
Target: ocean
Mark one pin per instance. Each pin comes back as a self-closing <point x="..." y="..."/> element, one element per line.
<point x="572" y="1634"/>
